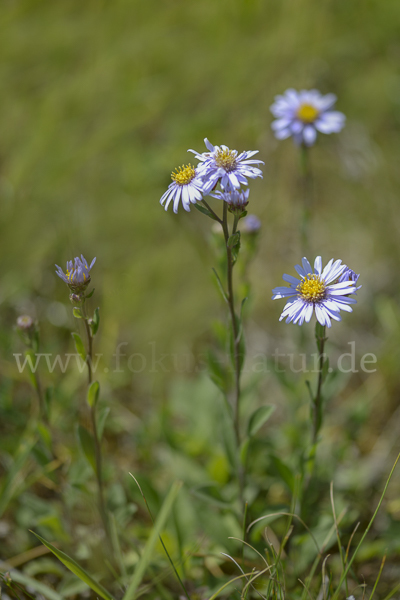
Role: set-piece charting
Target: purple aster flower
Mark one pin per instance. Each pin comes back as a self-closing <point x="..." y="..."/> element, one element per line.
<point x="350" y="275"/>
<point x="251" y="224"/>
<point x="226" y="166"/>
<point x="316" y="290"/>
<point x="186" y="186"/>
<point x="77" y="275"/>
<point x="302" y="114"/>
<point x="237" y="200"/>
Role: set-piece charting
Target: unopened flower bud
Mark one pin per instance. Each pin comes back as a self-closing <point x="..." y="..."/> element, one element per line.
<point x="237" y="200"/>
<point x="77" y="275"/>
<point x="76" y="298"/>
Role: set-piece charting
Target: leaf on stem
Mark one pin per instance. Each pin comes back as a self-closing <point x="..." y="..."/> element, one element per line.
<point x="95" y="322"/>
<point x="80" y="348"/>
<point x="258" y="418"/>
<point x="238" y="346"/>
<point x="233" y="240"/>
<point x="217" y="372"/>
<point x="86" y="443"/>
<point x="325" y="369"/>
<point x="93" y="393"/>
<point x="220" y="286"/>
<point x="205" y="211"/>
<point x="77" y="313"/>
<point x="284" y="471"/>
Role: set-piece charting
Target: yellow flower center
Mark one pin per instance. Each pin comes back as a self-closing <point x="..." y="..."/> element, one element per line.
<point x="183" y="175"/>
<point x="307" y="113"/>
<point x="226" y="159"/>
<point x="311" y="289"/>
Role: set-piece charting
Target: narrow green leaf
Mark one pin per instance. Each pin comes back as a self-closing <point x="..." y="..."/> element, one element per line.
<point x="80" y="348"/>
<point x="233" y="240"/>
<point x="241" y="345"/>
<point x="86" y="442"/>
<point x="284" y="471"/>
<point x="77" y="313"/>
<point x="325" y="370"/>
<point x="76" y="569"/>
<point x="13" y="482"/>
<point x="45" y="434"/>
<point x="244" y="448"/>
<point x="217" y="371"/>
<point x="220" y="286"/>
<point x="205" y="211"/>
<point x="147" y="555"/>
<point x="210" y="495"/>
<point x="93" y="393"/>
<point x="94" y="325"/>
<point x="90" y="294"/>
<point x="258" y="418"/>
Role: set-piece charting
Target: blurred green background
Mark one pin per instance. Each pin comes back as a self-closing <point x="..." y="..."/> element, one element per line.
<point x="100" y="102"/>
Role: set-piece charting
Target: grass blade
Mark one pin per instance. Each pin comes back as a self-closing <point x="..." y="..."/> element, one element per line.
<point x="32" y="583"/>
<point x="76" y="569"/>
<point x="151" y="542"/>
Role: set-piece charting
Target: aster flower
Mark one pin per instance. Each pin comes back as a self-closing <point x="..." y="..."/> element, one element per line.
<point x="350" y="275"/>
<point x="251" y="224"/>
<point x="237" y="200"/>
<point x="227" y="166"/>
<point x="25" y="322"/>
<point x="318" y="290"/>
<point x="77" y="275"/>
<point x="186" y="186"/>
<point x="302" y="114"/>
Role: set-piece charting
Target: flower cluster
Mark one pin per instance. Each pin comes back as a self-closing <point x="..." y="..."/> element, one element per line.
<point x="219" y="165"/>
<point x="326" y="291"/>
<point x="77" y="274"/>
<point x="302" y="114"/>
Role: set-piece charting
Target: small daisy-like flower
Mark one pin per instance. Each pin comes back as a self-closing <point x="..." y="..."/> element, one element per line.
<point x="237" y="200"/>
<point x="302" y="114"/>
<point x="25" y="322"/>
<point x="186" y="185"/>
<point x="227" y="166"/>
<point x="251" y="224"/>
<point x="316" y="290"/>
<point x="350" y="275"/>
<point x="77" y="274"/>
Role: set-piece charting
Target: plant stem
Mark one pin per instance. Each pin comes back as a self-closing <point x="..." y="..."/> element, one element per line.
<point x="236" y="344"/>
<point x="306" y="184"/>
<point x="97" y="445"/>
<point x="317" y="404"/>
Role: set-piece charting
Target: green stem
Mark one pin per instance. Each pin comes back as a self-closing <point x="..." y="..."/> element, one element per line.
<point x="317" y="405"/>
<point x="236" y="345"/>
<point x="97" y="444"/>
<point x="306" y="185"/>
